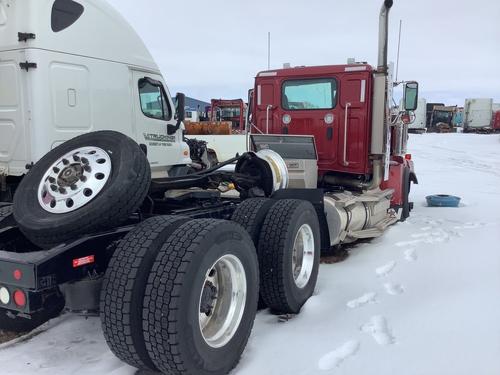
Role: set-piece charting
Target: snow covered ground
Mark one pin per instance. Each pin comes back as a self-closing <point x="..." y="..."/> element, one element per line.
<point x="423" y="299"/>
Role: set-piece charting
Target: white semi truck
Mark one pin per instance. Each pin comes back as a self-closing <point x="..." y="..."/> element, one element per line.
<point x="478" y="115"/>
<point x="57" y="83"/>
<point x="418" y="125"/>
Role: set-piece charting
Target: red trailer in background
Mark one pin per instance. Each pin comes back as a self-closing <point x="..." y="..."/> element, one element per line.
<point x="229" y="110"/>
<point x="496" y="121"/>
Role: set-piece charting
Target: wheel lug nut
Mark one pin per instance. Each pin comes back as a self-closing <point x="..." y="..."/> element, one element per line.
<point x="53" y="187"/>
<point x="83" y="178"/>
<point x="87" y="168"/>
<point x="52" y="180"/>
<point x="76" y="157"/>
<point x="85" y="160"/>
<point x="65" y="161"/>
<point x="62" y="190"/>
<point x="56" y="170"/>
<point x="73" y="187"/>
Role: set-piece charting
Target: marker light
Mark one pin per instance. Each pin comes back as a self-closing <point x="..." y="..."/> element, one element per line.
<point x="329" y="118"/>
<point x="20" y="298"/>
<point x="17" y="274"/>
<point x="287" y="119"/>
<point x="4" y="295"/>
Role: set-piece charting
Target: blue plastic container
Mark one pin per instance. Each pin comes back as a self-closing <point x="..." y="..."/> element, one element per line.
<point x="442" y="200"/>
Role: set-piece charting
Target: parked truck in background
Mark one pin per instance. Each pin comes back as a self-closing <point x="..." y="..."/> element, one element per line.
<point x="419" y="120"/>
<point x="441" y="120"/>
<point x="176" y="260"/>
<point x="478" y="115"/>
<point x="225" y="131"/>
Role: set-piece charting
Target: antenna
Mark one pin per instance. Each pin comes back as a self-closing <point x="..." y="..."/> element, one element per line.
<point x="399" y="45"/>
<point x="268" y="50"/>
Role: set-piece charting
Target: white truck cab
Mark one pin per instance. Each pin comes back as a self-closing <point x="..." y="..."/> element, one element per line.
<point x="69" y="67"/>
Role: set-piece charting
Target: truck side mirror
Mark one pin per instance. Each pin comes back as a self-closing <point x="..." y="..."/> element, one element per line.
<point x="411" y="96"/>
<point x="180" y="108"/>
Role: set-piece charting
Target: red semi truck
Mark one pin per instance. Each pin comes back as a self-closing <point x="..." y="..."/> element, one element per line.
<point x="176" y="266"/>
<point x="345" y="108"/>
<point x="229" y="110"/>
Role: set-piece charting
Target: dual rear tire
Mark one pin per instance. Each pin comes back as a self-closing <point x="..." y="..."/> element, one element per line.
<point x="286" y="234"/>
<point x="181" y="295"/>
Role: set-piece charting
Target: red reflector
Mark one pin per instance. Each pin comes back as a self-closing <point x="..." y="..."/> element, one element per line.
<point x="408" y="156"/>
<point x="18" y="274"/>
<point x="83" y="261"/>
<point x="20" y="298"/>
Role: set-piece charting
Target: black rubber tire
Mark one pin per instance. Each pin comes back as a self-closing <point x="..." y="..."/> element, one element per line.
<point x="250" y="214"/>
<point x="52" y="308"/>
<point x="405" y="209"/>
<point x="122" y="195"/>
<point x="123" y="288"/>
<point x="277" y="286"/>
<point x="171" y="305"/>
<point x="6" y="217"/>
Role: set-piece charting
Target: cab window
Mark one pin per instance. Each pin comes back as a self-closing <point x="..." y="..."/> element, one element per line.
<point x="309" y="94"/>
<point x="154" y="102"/>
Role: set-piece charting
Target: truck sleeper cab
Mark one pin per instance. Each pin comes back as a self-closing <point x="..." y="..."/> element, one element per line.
<point x="57" y="83"/>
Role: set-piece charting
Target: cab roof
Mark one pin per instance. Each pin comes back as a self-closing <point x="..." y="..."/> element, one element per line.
<point x="89" y="28"/>
<point x="315" y="70"/>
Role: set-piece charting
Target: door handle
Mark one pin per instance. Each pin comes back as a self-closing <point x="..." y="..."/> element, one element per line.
<point x="344" y="160"/>
<point x="329" y="133"/>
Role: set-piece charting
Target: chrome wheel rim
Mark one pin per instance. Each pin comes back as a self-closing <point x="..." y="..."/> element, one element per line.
<point x="74" y="180"/>
<point x="222" y="301"/>
<point x="303" y="256"/>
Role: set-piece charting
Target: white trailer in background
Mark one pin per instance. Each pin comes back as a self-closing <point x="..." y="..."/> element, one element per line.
<point x="478" y="115"/>
<point x="418" y="124"/>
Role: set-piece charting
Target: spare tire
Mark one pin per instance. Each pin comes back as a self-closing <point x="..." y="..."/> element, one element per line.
<point x="88" y="184"/>
<point x="6" y="218"/>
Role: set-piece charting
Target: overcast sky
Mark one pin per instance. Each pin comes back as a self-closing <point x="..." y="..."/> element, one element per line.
<point x="212" y="49"/>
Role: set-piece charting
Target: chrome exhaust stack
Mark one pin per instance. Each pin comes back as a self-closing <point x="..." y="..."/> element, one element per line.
<point x="380" y="119"/>
<point x="383" y="35"/>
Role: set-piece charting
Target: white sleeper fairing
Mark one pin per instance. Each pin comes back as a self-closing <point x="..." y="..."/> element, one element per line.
<point x="70" y="67"/>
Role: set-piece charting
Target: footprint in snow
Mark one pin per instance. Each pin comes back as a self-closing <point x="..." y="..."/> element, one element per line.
<point x="334" y="358"/>
<point x="379" y="329"/>
<point x="411" y="255"/>
<point x="363" y="300"/>
<point x="394" y="289"/>
<point x="385" y="269"/>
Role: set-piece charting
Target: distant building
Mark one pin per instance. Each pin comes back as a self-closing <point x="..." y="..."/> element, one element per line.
<point x="198" y="106"/>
